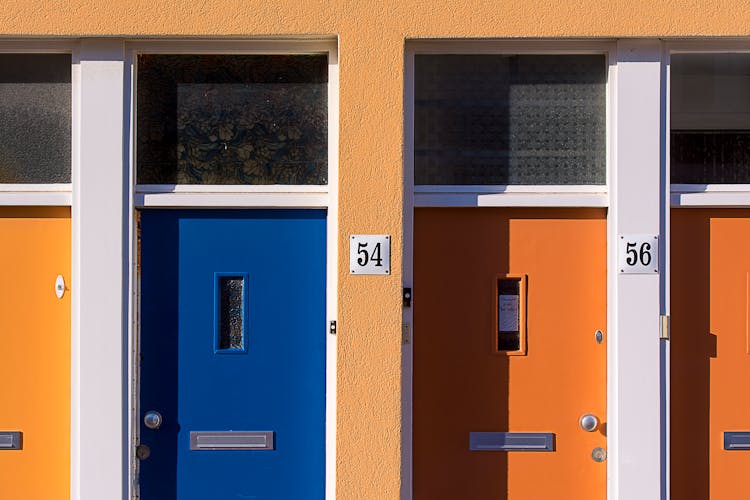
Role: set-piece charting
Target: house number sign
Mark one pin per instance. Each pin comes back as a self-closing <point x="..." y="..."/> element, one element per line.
<point x="638" y="254"/>
<point x="370" y="254"/>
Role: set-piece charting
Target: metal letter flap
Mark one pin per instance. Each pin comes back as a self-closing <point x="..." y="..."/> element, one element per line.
<point x="10" y="440"/>
<point x="511" y="441"/>
<point x="232" y="440"/>
<point x="737" y="440"/>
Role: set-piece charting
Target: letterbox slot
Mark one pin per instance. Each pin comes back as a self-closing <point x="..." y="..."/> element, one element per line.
<point x="10" y="440"/>
<point x="232" y="440"/>
<point x="511" y="441"/>
<point x="737" y="440"/>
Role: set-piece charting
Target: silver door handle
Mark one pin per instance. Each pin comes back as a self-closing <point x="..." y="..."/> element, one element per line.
<point x="152" y="419"/>
<point x="589" y="422"/>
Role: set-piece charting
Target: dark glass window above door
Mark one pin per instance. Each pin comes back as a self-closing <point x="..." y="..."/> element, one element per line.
<point x="510" y="119"/>
<point x="232" y="119"/>
<point x="710" y="118"/>
<point x="35" y="118"/>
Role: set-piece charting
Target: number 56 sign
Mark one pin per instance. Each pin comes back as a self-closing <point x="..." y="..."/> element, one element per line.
<point x="370" y="254"/>
<point x="638" y="254"/>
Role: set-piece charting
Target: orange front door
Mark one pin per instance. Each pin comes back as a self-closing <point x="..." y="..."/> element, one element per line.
<point x="35" y="342"/>
<point x="463" y="384"/>
<point x="710" y="352"/>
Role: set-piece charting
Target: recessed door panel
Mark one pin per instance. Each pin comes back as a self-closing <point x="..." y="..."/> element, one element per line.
<point x="232" y="354"/>
<point x="35" y="342"/>
<point x="710" y="352"/>
<point x="503" y="419"/>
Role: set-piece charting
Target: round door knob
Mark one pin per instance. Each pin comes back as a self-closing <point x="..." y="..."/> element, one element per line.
<point x="152" y="419"/>
<point x="589" y="422"/>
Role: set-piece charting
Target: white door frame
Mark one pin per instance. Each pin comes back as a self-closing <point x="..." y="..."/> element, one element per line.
<point x="634" y="466"/>
<point x="105" y="291"/>
<point x="686" y="196"/>
<point x="194" y="196"/>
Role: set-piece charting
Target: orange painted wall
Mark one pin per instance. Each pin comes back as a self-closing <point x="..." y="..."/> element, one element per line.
<point x="35" y="342"/>
<point x="372" y="36"/>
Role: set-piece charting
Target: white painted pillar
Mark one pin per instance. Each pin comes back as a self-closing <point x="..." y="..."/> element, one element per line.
<point x="635" y="450"/>
<point x="98" y="404"/>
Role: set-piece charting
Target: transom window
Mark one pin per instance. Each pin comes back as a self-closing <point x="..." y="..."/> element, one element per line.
<point x="35" y="113"/>
<point x="232" y="119"/>
<point x="710" y="118"/>
<point x="484" y="119"/>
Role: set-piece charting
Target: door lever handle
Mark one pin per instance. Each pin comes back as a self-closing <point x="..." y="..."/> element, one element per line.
<point x="152" y="419"/>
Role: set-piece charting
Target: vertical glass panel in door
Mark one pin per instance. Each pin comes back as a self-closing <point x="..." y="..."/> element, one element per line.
<point x="509" y="317"/>
<point x="710" y="118"/>
<point x="232" y="119"/>
<point x="35" y="118"/>
<point x="510" y="119"/>
<point x="231" y="312"/>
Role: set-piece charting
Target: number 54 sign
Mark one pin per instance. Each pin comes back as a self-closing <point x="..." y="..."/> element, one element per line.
<point x="370" y="254"/>
<point x="638" y="254"/>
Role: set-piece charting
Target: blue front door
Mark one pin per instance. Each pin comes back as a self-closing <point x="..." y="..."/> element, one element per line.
<point x="233" y="341"/>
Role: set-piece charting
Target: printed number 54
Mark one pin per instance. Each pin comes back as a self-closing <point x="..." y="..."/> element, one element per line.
<point x="365" y="256"/>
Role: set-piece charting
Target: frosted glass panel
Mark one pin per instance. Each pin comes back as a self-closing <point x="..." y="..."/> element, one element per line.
<point x="710" y="118"/>
<point x="232" y="119"/>
<point x="231" y="312"/>
<point x="35" y="118"/>
<point x="509" y="329"/>
<point x="500" y="119"/>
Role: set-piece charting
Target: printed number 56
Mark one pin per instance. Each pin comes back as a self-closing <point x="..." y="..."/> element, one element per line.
<point x="638" y="256"/>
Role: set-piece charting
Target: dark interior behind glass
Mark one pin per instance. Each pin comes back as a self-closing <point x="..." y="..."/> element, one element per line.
<point x="232" y="119"/>
<point x="510" y="119"/>
<point x="710" y="118"/>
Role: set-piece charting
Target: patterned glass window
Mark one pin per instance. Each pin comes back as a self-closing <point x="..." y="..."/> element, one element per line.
<point x="510" y="119"/>
<point x="710" y="118"/>
<point x="232" y="119"/>
<point x="231" y="312"/>
<point x="509" y="315"/>
<point x="35" y="113"/>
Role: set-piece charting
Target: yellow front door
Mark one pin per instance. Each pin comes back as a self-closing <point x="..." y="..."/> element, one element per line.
<point x="35" y="342"/>
<point x="470" y="376"/>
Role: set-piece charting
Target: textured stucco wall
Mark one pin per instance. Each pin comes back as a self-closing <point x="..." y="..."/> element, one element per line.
<point x="388" y="20"/>
<point x="372" y="35"/>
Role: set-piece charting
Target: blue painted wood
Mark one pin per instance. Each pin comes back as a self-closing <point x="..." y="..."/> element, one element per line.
<point x="278" y="385"/>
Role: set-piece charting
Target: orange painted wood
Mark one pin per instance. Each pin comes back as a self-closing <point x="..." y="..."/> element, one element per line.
<point x="461" y="385"/>
<point x="710" y="365"/>
<point x="35" y="345"/>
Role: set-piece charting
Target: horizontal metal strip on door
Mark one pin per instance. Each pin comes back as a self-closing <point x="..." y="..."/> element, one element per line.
<point x="232" y="440"/>
<point x="511" y="441"/>
<point x="10" y="440"/>
<point x="737" y="440"/>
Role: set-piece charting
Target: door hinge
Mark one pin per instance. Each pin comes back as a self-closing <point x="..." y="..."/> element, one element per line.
<point x="664" y="327"/>
<point x="332" y="327"/>
<point x="405" y="333"/>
